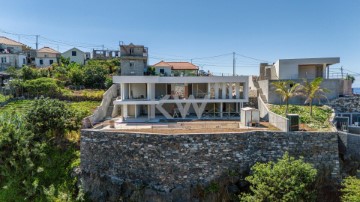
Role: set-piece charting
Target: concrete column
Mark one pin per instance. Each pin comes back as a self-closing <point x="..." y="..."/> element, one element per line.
<point x="216" y="88"/>
<point x="124" y="111"/>
<point x="237" y="88"/>
<point x="152" y="109"/>
<point x="209" y="89"/>
<point x="237" y="107"/>
<point x="148" y="91"/>
<point x="122" y="91"/>
<point x="136" y="111"/>
<point x="223" y="90"/>
<point x="221" y="109"/>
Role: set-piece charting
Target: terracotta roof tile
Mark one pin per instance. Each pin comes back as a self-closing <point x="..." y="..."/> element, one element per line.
<point x="177" y="65"/>
<point x="10" y="42"/>
<point x="47" y="50"/>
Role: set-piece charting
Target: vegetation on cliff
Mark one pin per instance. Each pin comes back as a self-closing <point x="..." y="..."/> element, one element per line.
<point x="288" y="179"/>
<point x="39" y="149"/>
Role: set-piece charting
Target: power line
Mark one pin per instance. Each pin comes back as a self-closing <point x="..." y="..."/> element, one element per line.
<point x="244" y="56"/>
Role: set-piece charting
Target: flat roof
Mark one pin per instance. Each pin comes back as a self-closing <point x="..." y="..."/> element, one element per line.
<point x="309" y="61"/>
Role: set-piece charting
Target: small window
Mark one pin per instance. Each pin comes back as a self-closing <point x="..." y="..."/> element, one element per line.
<point x="24" y="61"/>
<point x="3" y="60"/>
<point x="51" y="62"/>
<point x="73" y="53"/>
<point x="132" y="64"/>
<point x="162" y="71"/>
<point x="131" y="51"/>
<point x="45" y="55"/>
<point x="41" y="62"/>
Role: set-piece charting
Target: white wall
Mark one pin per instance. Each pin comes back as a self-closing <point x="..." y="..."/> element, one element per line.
<point x="14" y="59"/>
<point x="137" y="90"/>
<point x="289" y="68"/>
<point x="167" y="70"/>
<point x="79" y="58"/>
<point x="46" y="61"/>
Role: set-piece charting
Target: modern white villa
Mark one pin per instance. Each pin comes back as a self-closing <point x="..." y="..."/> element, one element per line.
<point x="167" y="96"/>
<point x="297" y="70"/>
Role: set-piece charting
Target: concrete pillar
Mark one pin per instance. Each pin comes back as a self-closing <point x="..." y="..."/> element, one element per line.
<point x="237" y="88"/>
<point x="136" y="111"/>
<point x="216" y="88"/>
<point x="122" y="91"/>
<point x="209" y="90"/>
<point x="221" y="109"/>
<point x="223" y="90"/>
<point x="237" y="107"/>
<point x="152" y="110"/>
<point x="148" y="91"/>
<point x="124" y="111"/>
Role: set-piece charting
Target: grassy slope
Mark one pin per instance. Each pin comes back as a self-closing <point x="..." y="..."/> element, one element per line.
<point x="319" y="120"/>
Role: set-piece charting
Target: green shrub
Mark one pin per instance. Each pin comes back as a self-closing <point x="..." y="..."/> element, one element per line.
<point x="319" y="120"/>
<point x="286" y="180"/>
<point x="46" y="87"/>
<point x="351" y="190"/>
<point x="50" y="115"/>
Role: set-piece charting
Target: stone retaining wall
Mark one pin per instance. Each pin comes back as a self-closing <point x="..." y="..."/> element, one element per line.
<point x="111" y="162"/>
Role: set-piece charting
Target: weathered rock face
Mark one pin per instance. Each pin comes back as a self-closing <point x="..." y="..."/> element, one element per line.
<point x="151" y="167"/>
<point x="346" y="104"/>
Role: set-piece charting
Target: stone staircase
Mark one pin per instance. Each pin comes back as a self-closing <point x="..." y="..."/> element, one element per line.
<point x="110" y="110"/>
<point x="259" y="90"/>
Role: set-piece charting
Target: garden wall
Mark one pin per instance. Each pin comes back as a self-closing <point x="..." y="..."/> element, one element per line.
<point x="118" y="165"/>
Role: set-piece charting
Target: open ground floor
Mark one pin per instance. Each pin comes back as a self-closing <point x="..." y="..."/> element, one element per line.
<point x="164" y="112"/>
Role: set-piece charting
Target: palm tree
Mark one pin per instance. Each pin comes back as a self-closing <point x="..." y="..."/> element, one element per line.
<point x="287" y="90"/>
<point x="312" y="90"/>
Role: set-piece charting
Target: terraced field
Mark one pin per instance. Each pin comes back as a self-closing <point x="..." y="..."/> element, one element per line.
<point x="20" y="107"/>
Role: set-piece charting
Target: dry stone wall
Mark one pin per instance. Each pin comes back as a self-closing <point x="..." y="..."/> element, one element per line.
<point x="118" y="165"/>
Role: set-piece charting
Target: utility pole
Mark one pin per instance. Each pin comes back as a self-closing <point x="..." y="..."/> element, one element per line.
<point x="37" y="42"/>
<point x="234" y="64"/>
<point x="342" y="72"/>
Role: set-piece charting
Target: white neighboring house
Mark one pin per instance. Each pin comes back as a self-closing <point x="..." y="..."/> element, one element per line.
<point x="11" y="53"/>
<point x="46" y="56"/>
<point x="75" y="55"/>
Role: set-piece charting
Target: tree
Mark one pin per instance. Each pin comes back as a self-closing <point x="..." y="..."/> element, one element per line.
<point x="76" y="74"/>
<point x="287" y="90"/>
<point x="350" y="77"/>
<point x="312" y="90"/>
<point x="94" y="76"/>
<point x="28" y="73"/>
<point x="21" y="151"/>
<point x="51" y="115"/>
<point x="47" y="87"/>
<point x="287" y="180"/>
<point x="351" y="189"/>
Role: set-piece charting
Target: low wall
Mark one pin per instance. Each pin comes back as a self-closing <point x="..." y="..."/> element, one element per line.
<point x="274" y="119"/>
<point x="167" y="167"/>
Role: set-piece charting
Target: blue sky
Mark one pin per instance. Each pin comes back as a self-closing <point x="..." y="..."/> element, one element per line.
<point x="181" y="30"/>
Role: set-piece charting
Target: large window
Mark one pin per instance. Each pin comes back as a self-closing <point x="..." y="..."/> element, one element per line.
<point x="51" y="62"/>
<point x="41" y="62"/>
<point x="3" y="59"/>
<point x="73" y="53"/>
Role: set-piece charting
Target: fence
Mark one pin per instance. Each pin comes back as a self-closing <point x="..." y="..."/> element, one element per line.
<point x="100" y="113"/>
<point x="274" y="119"/>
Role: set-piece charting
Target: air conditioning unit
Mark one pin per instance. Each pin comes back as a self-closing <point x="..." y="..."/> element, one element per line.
<point x="293" y="122"/>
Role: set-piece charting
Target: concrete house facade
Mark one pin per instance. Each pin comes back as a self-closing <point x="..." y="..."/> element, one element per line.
<point x="152" y="98"/>
<point x="298" y="70"/>
<point x="11" y="53"/>
<point x="175" y="68"/>
<point x="75" y="55"/>
<point x="133" y="59"/>
<point x="46" y="56"/>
